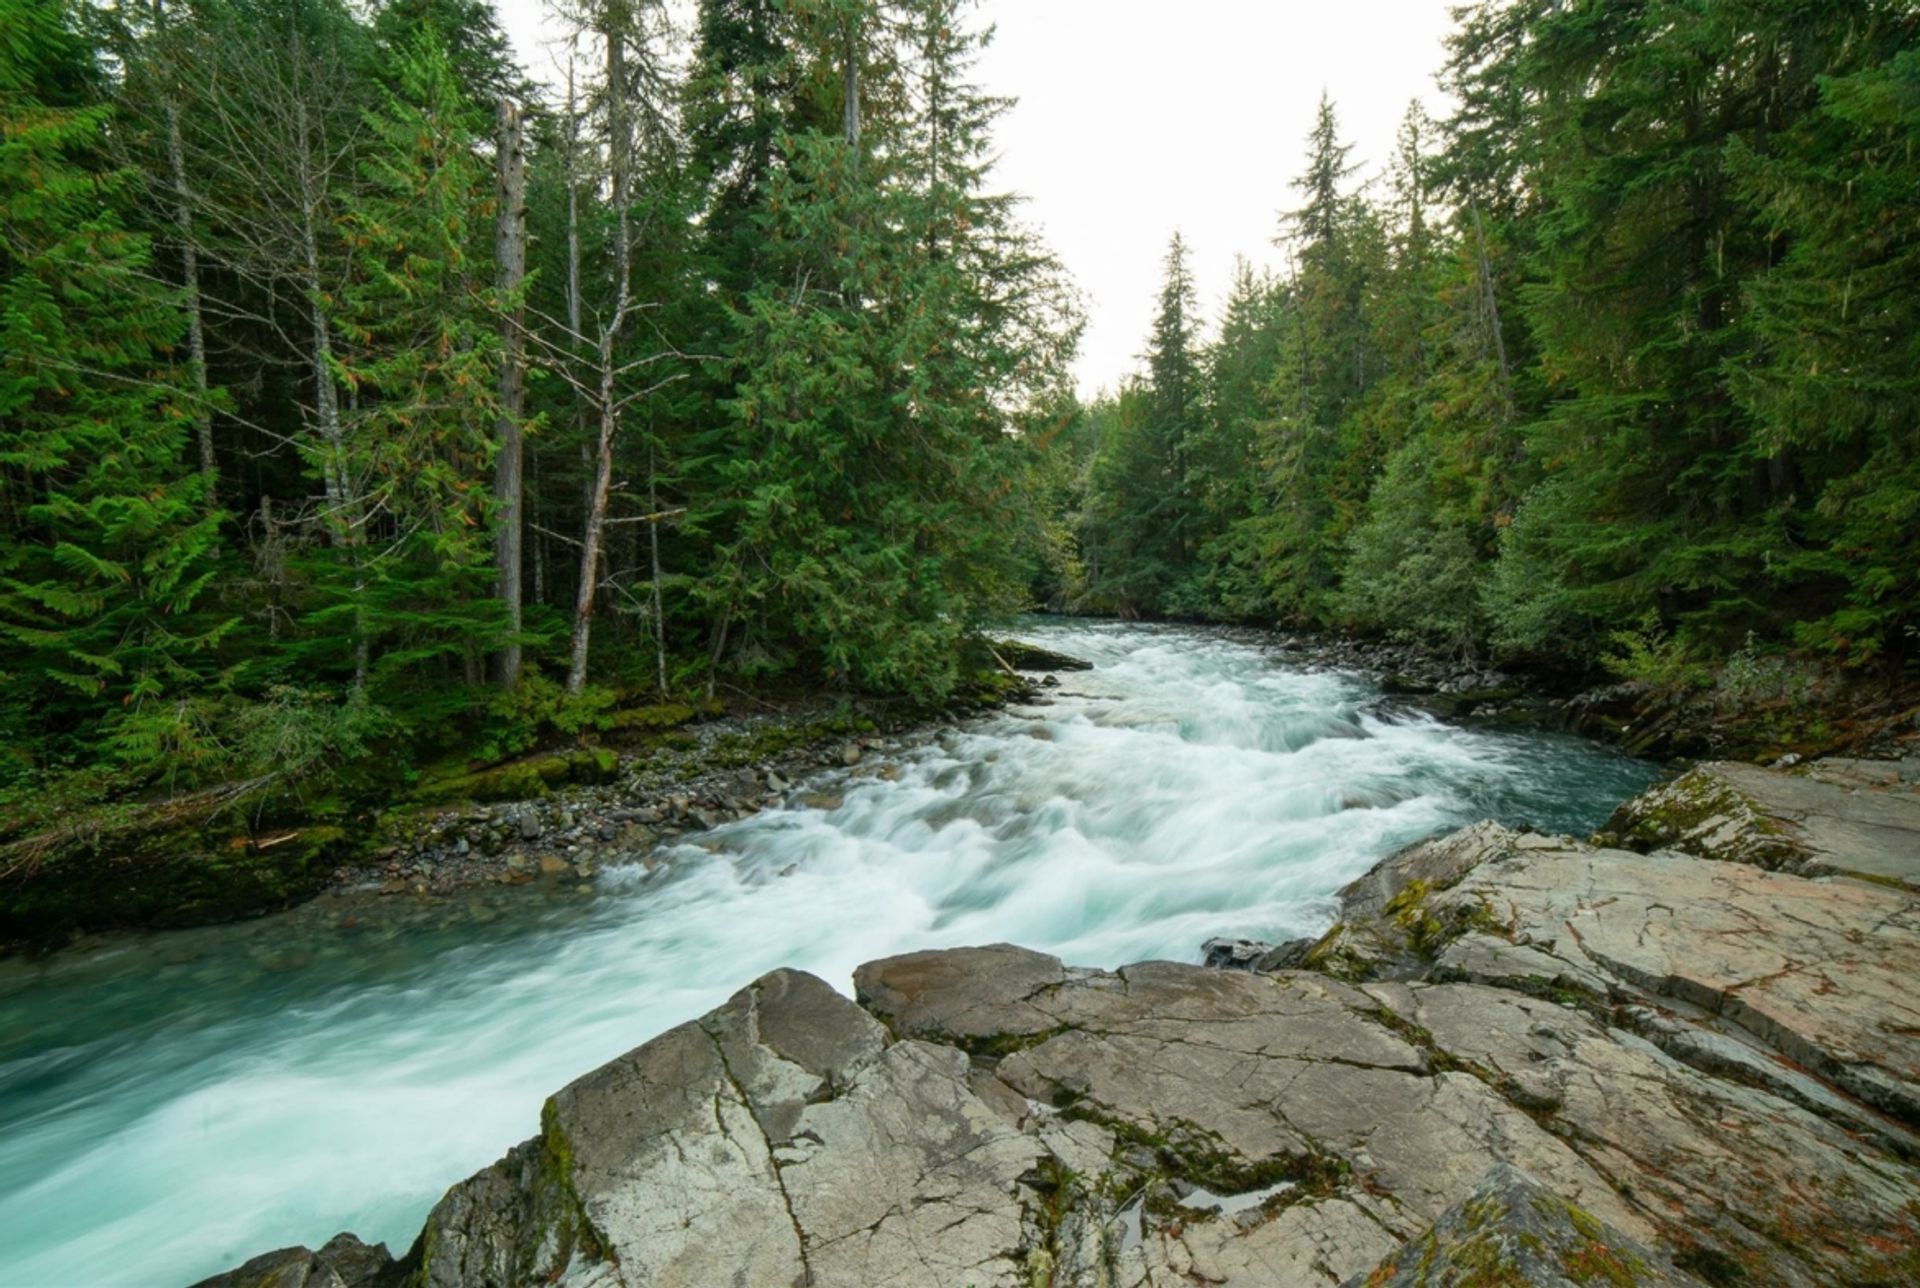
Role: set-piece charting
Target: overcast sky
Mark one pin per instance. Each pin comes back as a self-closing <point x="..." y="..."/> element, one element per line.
<point x="1137" y="117"/>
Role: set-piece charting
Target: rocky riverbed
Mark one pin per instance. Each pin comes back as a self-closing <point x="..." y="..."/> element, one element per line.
<point x="715" y="772"/>
<point x="1526" y="1058"/>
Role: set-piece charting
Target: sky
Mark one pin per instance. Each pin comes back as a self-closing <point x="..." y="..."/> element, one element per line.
<point x="1139" y="117"/>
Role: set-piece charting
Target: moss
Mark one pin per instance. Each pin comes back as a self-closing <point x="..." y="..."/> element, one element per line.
<point x="1428" y="931"/>
<point x="558" y="1212"/>
<point x="525" y="778"/>
<point x="999" y="1046"/>
<point x="658" y="717"/>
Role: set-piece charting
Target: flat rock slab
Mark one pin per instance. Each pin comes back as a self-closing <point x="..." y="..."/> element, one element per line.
<point x="1859" y="818"/>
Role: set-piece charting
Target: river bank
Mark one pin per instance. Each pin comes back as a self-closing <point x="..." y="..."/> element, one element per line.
<point x="1514" y="1058"/>
<point x="560" y="812"/>
<point x="568" y="811"/>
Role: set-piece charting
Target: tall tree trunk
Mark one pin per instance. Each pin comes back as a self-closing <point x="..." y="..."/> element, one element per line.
<point x="851" y="72"/>
<point x="575" y="306"/>
<point x="510" y="254"/>
<point x="189" y="278"/>
<point x="342" y="522"/>
<point x="653" y="540"/>
<point x="619" y="162"/>
<point x="1491" y="302"/>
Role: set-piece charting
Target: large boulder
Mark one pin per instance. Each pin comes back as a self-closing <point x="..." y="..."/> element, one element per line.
<point x="344" y="1262"/>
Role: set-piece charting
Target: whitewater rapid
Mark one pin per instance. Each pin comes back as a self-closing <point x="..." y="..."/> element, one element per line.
<point x="172" y="1104"/>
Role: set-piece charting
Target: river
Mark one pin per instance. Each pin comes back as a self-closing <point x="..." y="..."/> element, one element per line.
<point x="171" y="1104"/>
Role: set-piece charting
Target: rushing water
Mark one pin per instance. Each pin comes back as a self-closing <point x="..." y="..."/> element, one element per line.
<point x="172" y="1104"/>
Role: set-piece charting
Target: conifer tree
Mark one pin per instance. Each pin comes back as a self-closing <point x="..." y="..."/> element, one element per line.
<point x="108" y="543"/>
<point x="420" y="341"/>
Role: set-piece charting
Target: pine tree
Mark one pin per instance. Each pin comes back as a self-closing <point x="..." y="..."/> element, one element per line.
<point x="869" y="489"/>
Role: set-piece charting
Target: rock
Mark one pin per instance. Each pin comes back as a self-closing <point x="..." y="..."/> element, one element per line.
<point x="1285" y="955"/>
<point x="850" y="754"/>
<point x="1232" y="954"/>
<point x="344" y="1262"/>
<point x="776" y="1140"/>
<point x="828" y="801"/>
<point x="1818" y="970"/>
<point x="529" y="825"/>
<point x="1251" y="954"/>
<point x="553" y="865"/>
<point x="1828" y="817"/>
<point x="1511" y="1230"/>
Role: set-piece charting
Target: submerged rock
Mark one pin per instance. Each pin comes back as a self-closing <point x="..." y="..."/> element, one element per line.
<point x="1031" y="657"/>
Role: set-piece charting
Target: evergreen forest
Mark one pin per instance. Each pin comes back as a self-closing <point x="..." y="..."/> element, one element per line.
<point x="363" y="401"/>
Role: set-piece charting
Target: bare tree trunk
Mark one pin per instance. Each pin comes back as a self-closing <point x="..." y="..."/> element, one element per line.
<point x="189" y="272"/>
<point x="343" y="525"/>
<point x="1492" y="303"/>
<point x="510" y="253"/>
<point x="851" y="59"/>
<point x="619" y="161"/>
<point x="575" y="308"/>
<point x="326" y="398"/>
<point x="659" y="603"/>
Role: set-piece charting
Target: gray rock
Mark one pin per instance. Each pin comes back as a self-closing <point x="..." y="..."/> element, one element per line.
<point x="343" y="1262"/>
<point x="1232" y="954"/>
<point x="1850" y="817"/>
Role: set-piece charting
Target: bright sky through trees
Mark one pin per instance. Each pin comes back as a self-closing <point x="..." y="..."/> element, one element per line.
<point x="1118" y="138"/>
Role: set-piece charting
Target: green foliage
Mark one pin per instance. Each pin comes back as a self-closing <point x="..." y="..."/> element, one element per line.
<point x="539" y="708"/>
<point x="1649" y="655"/>
<point x="870" y="466"/>
<point x="1413" y="571"/>
<point x="406" y="577"/>
<point x="108" y="539"/>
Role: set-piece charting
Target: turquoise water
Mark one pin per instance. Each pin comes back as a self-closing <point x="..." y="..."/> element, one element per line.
<point x="172" y="1104"/>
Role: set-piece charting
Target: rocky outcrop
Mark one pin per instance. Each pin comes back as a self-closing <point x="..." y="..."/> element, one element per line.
<point x="1857" y="818"/>
<point x="1515" y="1059"/>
